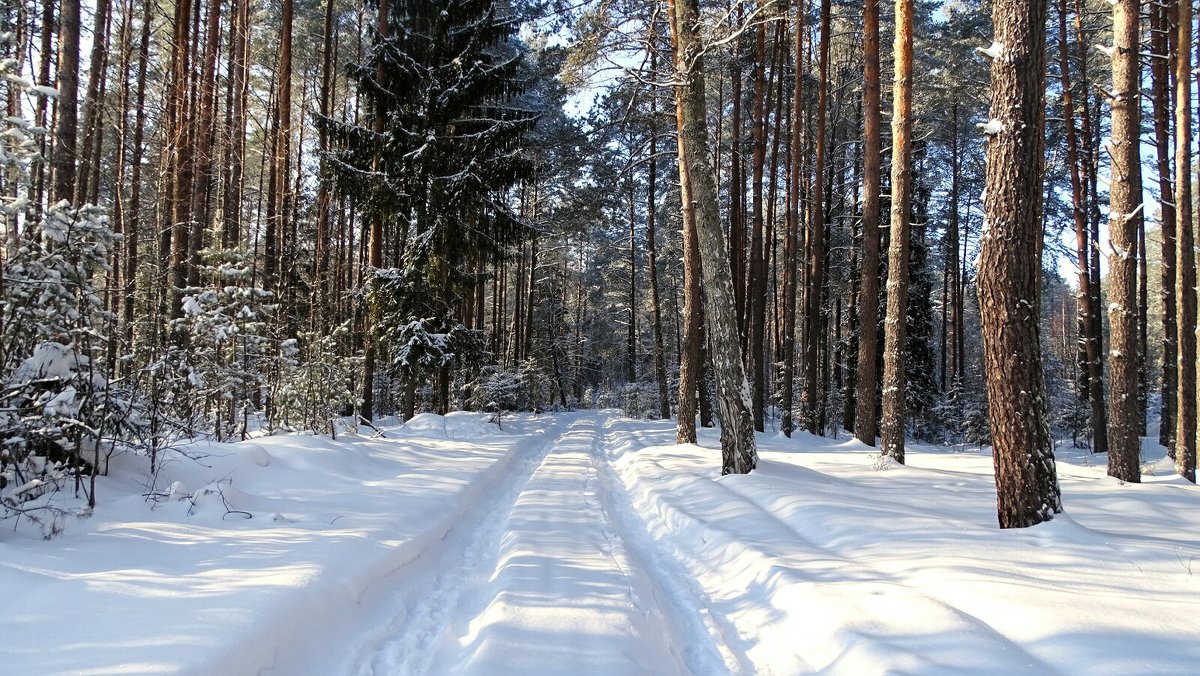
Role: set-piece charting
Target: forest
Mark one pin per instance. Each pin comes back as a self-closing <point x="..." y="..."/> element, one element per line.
<point x="951" y="222"/>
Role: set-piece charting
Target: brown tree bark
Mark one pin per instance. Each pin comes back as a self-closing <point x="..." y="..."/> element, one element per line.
<point x="660" y="365"/>
<point x="374" y="253"/>
<point x="865" y="421"/>
<point x="205" y="131"/>
<point x="1125" y="201"/>
<point x="1089" y="156"/>
<point x="1091" y="388"/>
<point x="1160" y="79"/>
<point x="756" y="286"/>
<point x="1027" y="490"/>
<point x="281" y="155"/>
<point x="40" y="109"/>
<point x="952" y="261"/>
<point x="739" y="455"/>
<point x="235" y="125"/>
<point x="814" y="333"/>
<point x="93" y="106"/>
<point x="893" y="427"/>
<point x="178" y="155"/>
<point x="790" y="257"/>
<point x="321" y="317"/>
<point x="67" y="129"/>
<point x="1185" y="277"/>
<point x="132" y="219"/>
<point x="690" y="378"/>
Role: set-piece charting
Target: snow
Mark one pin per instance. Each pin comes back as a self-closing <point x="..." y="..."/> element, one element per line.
<point x="587" y="543"/>
<point x="991" y="127"/>
<point x="50" y="360"/>
<point x="992" y="52"/>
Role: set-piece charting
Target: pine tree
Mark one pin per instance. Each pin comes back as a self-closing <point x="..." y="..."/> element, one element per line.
<point x="1125" y="207"/>
<point x="739" y="455"/>
<point x="1027" y="490"/>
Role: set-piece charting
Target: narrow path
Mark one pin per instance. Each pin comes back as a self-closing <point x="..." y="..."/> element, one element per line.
<point x="566" y="595"/>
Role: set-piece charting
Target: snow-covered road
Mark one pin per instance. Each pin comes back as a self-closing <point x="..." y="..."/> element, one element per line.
<point x="588" y="543"/>
<point x="546" y="580"/>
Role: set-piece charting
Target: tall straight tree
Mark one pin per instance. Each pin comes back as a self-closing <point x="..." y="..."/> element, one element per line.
<point x="374" y="234"/>
<point x="790" y="249"/>
<point x="178" y="160"/>
<point x="739" y="455"/>
<point x="814" y="333"/>
<point x="281" y="144"/>
<point x="898" y="251"/>
<point x="1185" y="279"/>
<point x="1160" y="87"/>
<point x="756" y="285"/>
<point x="1009" y="278"/>
<point x="67" y="130"/>
<point x="690" y="371"/>
<point x="660" y="364"/>
<point x="868" y="291"/>
<point x="1125" y="205"/>
<point x="1091" y="378"/>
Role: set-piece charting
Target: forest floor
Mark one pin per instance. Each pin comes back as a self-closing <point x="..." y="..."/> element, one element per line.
<point x="590" y="543"/>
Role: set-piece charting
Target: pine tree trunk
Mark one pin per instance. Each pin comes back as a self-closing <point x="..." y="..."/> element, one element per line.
<point x="40" y="109"/>
<point x="179" y="167"/>
<point x="1089" y="345"/>
<point x="1095" y="330"/>
<point x="320" y="314"/>
<point x="739" y="455"/>
<point x="374" y="256"/>
<point x="1160" y="78"/>
<point x="67" y="129"/>
<point x="1027" y="490"/>
<point x="690" y="371"/>
<point x="814" y="332"/>
<point x="952" y="260"/>
<point x="280" y="146"/>
<point x="93" y="107"/>
<point x="865" y="421"/>
<point x="235" y="126"/>
<point x="690" y="364"/>
<point x="757" y="284"/>
<point x="133" y="220"/>
<point x="1185" y="276"/>
<point x="1125" y="200"/>
<point x="205" y="131"/>
<point x="790" y="256"/>
<point x="631" y="335"/>
<point x="893" y="428"/>
<point x="660" y="366"/>
<point x="120" y="204"/>
<point x="737" y="177"/>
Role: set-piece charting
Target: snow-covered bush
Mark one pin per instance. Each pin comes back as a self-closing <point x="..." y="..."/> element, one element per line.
<point x="62" y="415"/>
<point x="225" y="325"/>
<point x="56" y="402"/>
<point x="319" y="389"/>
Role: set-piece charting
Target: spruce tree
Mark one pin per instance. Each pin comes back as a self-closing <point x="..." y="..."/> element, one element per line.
<point x="445" y="82"/>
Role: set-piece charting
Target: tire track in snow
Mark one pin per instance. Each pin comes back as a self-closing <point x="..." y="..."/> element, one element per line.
<point x="696" y="633"/>
<point x="567" y="594"/>
<point x="406" y="645"/>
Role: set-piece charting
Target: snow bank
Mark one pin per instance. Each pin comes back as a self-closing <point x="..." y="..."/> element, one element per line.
<point x="820" y="562"/>
<point x="252" y="554"/>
